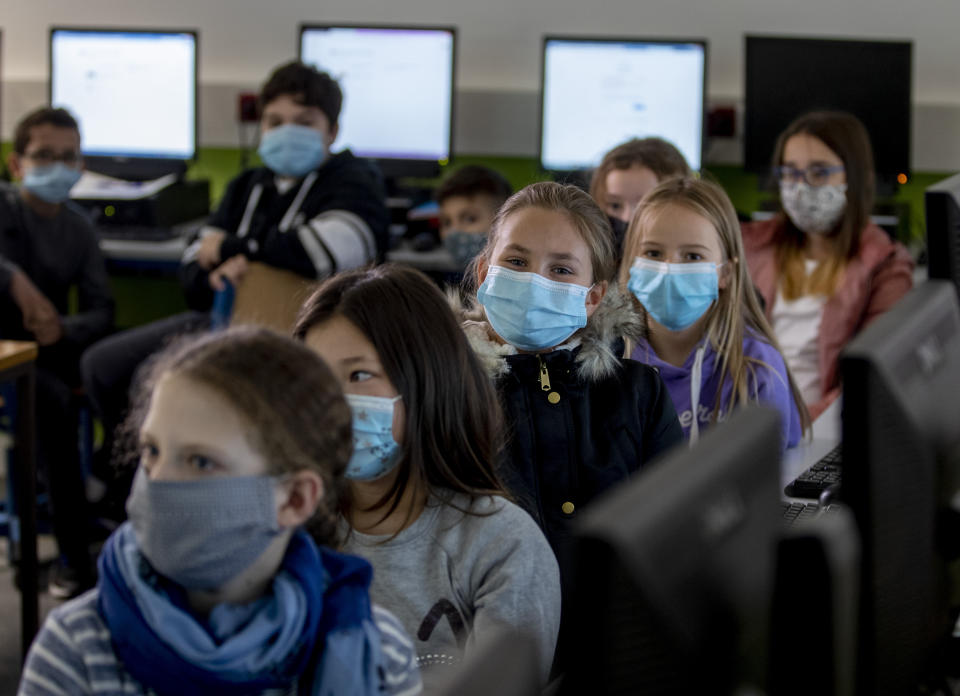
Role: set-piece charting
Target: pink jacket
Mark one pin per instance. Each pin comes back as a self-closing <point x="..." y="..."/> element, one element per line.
<point x="879" y="275"/>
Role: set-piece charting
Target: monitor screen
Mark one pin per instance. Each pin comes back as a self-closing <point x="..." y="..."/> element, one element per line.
<point x="786" y="77"/>
<point x="942" y="210"/>
<point x="598" y="93"/>
<point x="901" y="461"/>
<point x="675" y="569"/>
<point x="134" y="93"/>
<point x="397" y="88"/>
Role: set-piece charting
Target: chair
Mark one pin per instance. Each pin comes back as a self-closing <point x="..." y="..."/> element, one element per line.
<point x="267" y="296"/>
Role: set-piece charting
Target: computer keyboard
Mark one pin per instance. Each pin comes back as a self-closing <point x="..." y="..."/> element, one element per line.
<point x="797" y="512"/>
<point x="815" y="480"/>
<point x="136" y="233"/>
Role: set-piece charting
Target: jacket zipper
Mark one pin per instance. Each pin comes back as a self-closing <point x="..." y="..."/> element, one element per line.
<point x="544" y="376"/>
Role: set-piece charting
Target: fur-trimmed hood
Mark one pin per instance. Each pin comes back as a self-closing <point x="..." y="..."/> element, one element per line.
<point x="614" y="320"/>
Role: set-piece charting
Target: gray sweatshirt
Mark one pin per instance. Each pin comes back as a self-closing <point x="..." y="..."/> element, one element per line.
<point x="452" y="578"/>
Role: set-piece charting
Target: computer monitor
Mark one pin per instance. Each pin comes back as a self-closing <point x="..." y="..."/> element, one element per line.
<point x="597" y="93"/>
<point x="134" y="94"/>
<point x="942" y="209"/>
<point x="901" y="461"/>
<point x="397" y="87"/>
<point x="675" y="569"/>
<point x="786" y="77"/>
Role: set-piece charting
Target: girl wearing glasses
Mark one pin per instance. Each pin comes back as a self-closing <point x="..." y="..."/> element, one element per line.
<point x="824" y="270"/>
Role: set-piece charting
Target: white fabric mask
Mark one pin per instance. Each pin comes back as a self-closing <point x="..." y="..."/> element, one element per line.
<point x="814" y="209"/>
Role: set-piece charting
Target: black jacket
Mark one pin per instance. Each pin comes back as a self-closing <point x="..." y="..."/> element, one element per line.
<point x="345" y="190"/>
<point x="601" y="418"/>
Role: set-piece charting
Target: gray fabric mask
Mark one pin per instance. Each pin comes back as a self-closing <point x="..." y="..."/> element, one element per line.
<point x="201" y="534"/>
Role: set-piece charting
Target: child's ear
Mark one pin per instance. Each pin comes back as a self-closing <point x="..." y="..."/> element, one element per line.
<point x="482" y="267"/>
<point x="303" y="491"/>
<point x="595" y="297"/>
<point x="13" y="163"/>
<point x="333" y="135"/>
<point x="726" y="273"/>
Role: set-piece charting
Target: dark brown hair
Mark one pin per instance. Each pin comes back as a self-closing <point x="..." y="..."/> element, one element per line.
<point x="306" y="86"/>
<point x="656" y="154"/>
<point x="291" y="400"/>
<point x="454" y="424"/>
<point x="845" y="135"/>
<point x="59" y="118"/>
<point x="474" y="180"/>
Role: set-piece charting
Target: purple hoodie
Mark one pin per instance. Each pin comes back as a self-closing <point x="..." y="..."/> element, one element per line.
<point x="771" y="388"/>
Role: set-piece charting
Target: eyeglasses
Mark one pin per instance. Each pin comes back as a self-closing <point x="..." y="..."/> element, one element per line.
<point x="815" y="174"/>
<point x="46" y="157"/>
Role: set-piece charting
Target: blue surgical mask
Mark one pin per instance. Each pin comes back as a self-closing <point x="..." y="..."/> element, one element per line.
<point x="292" y="150"/>
<point x="375" y="452"/>
<point x="531" y="312"/>
<point x="52" y="182"/>
<point x="674" y="294"/>
<point x="464" y="246"/>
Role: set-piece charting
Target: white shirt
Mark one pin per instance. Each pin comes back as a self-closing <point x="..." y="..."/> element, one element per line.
<point x="796" y="324"/>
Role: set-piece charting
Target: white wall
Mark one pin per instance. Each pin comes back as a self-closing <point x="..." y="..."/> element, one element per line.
<point x="499" y="49"/>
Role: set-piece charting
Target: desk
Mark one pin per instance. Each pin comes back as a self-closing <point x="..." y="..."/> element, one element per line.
<point x="165" y="254"/>
<point x="17" y="364"/>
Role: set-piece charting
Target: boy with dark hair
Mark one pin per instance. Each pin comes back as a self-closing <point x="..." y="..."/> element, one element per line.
<point x="47" y="247"/>
<point x="307" y="211"/>
<point x="469" y="199"/>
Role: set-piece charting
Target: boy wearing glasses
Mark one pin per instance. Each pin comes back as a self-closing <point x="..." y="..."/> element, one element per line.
<point x="47" y="247"/>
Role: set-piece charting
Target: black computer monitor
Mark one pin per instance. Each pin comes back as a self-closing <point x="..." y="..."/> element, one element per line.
<point x="596" y="93"/>
<point x="134" y="94"/>
<point x="675" y="569"/>
<point x="901" y="459"/>
<point x="942" y="209"/>
<point x="398" y="86"/>
<point x="786" y="77"/>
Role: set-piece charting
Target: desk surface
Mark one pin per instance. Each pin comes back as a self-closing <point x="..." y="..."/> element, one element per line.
<point x="13" y="353"/>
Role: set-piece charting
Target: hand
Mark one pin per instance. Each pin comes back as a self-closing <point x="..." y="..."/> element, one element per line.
<point x="233" y="269"/>
<point x="208" y="255"/>
<point x="40" y="317"/>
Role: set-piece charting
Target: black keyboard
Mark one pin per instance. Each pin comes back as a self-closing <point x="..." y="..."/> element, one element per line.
<point x="815" y="480"/>
<point x="136" y="233"/>
<point x="797" y="512"/>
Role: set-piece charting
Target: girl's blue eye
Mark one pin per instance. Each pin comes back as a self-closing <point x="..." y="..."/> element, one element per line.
<point x="201" y="463"/>
<point x="148" y="452"/>
<point x="652" y="254"/>
<point x="560" y="270"/>
<point x="693" y="256"/>
<point x="516" y="262"/>
<point x="360" y="376"/>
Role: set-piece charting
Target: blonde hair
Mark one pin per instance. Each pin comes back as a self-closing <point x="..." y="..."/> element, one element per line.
<point x="737" y="310"/>
<point x="577" y="206"/>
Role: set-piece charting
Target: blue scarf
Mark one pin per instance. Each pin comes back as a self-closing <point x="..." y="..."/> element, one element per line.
<point x="313" y="625"/>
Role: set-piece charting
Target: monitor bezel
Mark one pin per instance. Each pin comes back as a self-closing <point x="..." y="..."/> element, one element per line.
<point x="764" y="169"/>
<point x="399" y="167"/>
<point x="136" y="166"/>
<point x="583" y="38"/>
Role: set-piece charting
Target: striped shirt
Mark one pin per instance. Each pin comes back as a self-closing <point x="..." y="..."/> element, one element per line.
<point x="72" y="655"/>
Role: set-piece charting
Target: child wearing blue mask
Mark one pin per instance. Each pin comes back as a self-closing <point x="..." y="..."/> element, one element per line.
<point x="547" y="326"/>
<point x="214" y="586"/>
<point x="706" y="334"/>
<point x="48" y="249"/>
<point x="453" y="558"/>
<point x="308" y="210"/>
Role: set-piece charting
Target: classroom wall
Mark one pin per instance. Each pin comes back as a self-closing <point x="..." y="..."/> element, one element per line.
<point x="499" y="52"/>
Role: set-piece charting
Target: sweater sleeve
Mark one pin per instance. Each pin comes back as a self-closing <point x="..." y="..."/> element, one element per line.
<point x="54" y="665"/>
<point x="95" y="317"/>
<point x="515" y="581"/>
<point x="401" y="675"/>
<point x="773" y="389"/>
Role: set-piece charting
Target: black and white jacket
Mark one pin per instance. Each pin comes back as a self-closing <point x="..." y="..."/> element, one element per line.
<point x="333" y="219"/>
